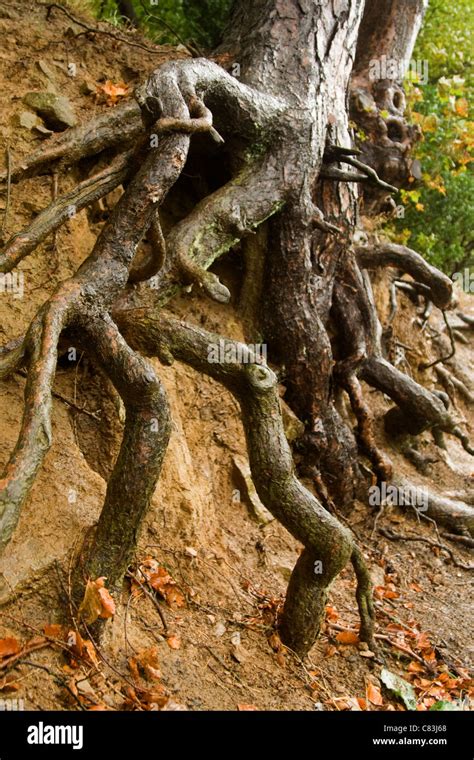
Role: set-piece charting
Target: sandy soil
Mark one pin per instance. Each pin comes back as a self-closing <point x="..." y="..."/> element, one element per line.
<point x="220" y="650"/>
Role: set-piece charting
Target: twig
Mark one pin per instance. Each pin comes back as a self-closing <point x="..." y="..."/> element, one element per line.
<point x="59" y="679"/>
<point x="150" y="596"/>
<point x="160" y="20"/>
<point x="95" y="30"/>
<point x="26" y="650"/>
<point x="400" y="537"/>
<point x="371" y="173"/>
<point x="65" y="400"/>
<point x="381" y="637"/>
<point x="453" y="346"/>
<point x="466" y="540"/>
<point x="9" y="186"/>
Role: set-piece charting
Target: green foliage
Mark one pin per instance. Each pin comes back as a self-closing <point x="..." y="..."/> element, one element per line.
<point x="439" y="214"/>
<point x="173" y="21"/>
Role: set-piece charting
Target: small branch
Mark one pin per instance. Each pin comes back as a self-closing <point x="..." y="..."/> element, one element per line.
<point x="96" y="30"/>
<point x="58" y="678"/>
<point x="150" y="596"/>
<point x="61" y="209"/>
<point x="33" y="647"/>
<point x="9" y="187"/>
<point x="409" y="261"/>
<point x="392" y="536"/>
<point x="370" y="172"/>
<point x="424" y="366"/>
<point x="339" y="175"/>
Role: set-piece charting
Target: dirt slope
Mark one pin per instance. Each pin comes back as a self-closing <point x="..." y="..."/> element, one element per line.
<point x="220" y="651"/>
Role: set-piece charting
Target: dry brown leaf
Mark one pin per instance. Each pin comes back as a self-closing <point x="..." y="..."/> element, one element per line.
<point x="9" y="646"/>
<point x="246" y="708"/>
<point x="347" y="637"/>
<point x="91" y="653"/>
<point x="113" y="92"/>
<point x="97" y="602"/>
<point x="149" y="662"/>
<point x="331" y="613"/>
<point x="8" y="683"/>
<point x="54" y="630"/>
<point x="275" y="642"/>
<point x="374" y="694"/>
<point x="174" y="642"/>
<point x="161" y="581"/>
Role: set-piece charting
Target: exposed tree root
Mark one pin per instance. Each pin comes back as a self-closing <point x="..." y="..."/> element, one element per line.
<point x="407" y="260"/>
<point x="319" y="313"/>
<point x="328" y="544"/>
<point x="390" y="534"/>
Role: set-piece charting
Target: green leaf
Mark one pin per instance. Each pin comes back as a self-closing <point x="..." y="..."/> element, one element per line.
<point x="445" y="706"/>
<point x="399" y="687"/>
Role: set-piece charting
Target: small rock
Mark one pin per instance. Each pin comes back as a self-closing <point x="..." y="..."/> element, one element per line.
<point x="211" y="618"/>
<point x="28" y="119"/>
<point x="219" y="629"/>
<point x="85" y="688"/>
<point x="366" y="653"/>
<point x="56" y="110"/>
<point x="235" y="638"/>
<point x="377" y="574"/>
<point x="239" y="653"/>
<point x="190" y="551"/>
<point x="47" y="71"/>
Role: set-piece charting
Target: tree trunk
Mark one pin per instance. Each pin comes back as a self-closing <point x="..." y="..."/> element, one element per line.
<point x="294" y="167"/>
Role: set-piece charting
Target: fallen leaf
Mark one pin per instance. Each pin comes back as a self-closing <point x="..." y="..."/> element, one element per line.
<point x="347" y="637"/>
<point x="415" y="667"/>
<point x="174" y="642"/>
<point x="374" y="694"/>
<point x="399" y="687"/>
<point x="148" y="662"/>
<point x="246" y="708"/>
<point x="275" y="642"/>
<point x="8" y="683"/>
<point x="113" y="92"/>
<point x="161" y="581"/>
<point x="54" y="630"/>
<point x="91" y="653"/>
<point x="9" y="646"/>
<point x="97" y="602"/>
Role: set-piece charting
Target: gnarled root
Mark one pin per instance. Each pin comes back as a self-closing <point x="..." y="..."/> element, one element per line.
<point x="328" y="544"/>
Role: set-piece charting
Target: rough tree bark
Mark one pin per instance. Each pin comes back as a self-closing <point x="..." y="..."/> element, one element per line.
<point x="295" y="173"/>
